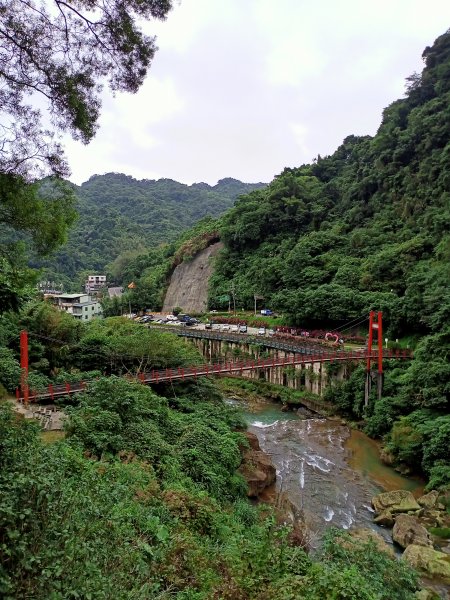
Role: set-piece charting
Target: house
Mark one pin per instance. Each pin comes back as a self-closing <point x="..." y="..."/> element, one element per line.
<point x="115" y="292"/>
<point x="95" y="284"/>
<point x="79" y="305"/>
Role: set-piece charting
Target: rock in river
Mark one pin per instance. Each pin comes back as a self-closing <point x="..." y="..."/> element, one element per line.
<point x="398" y="501"/>
<point x="385" y="519"/>
<point x="256" y="468"/>
<point x="429" y="500"/>
<point x="408" y="530"/>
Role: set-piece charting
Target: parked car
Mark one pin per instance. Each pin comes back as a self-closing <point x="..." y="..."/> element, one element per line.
<point x="262" y="331"/>
<point x="234" y="328"/>
<point x="271" y="332"/>
<point x="225" y="328"/>
<point x="208" y="325"/>
<point x="267" y="312"/>
<point x="242" y="328"/>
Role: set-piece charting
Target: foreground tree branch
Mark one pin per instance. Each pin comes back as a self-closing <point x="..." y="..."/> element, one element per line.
<point x="66" y="51"/>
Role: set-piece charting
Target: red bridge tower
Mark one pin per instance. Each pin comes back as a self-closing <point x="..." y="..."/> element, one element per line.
<point x="377" y="326"/>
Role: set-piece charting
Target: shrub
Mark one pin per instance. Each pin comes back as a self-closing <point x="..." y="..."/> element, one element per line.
<point x="9" y="370"/>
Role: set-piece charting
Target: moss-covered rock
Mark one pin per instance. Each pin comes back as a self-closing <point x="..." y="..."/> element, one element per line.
<point x="398" y="501"/>
<point x="429" y="562"/>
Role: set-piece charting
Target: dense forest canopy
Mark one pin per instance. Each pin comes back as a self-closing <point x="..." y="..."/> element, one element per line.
<point x="122" y="216"/>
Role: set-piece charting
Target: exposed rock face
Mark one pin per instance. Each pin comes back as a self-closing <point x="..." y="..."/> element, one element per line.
<point x="256" y="467"/>
<point x="408" y="530"/>
<point x="428" y="562"/>
<point x="188" y="286"/>
<point x="398" y="501"/>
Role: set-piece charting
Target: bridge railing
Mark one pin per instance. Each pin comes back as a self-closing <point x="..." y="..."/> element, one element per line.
<point x="220" y="367"/>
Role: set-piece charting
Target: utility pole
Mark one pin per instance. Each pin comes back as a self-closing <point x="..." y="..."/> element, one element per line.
<point x="24" y="364"/>
<point x="256" y="297"/>
<point x="233" y="295"/>
<point x="131" y="286"/>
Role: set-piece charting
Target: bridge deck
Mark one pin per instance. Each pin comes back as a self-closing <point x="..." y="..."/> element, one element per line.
<point x="302" y="357"/>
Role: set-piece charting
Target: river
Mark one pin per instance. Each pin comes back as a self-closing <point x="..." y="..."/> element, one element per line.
<point x="327" y="470"/>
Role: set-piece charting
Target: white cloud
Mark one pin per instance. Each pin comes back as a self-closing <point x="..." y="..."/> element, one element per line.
<point x="300" y="134"/>
<point x="245" y="88"/>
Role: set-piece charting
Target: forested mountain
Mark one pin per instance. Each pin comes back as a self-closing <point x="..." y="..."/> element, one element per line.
<point x="367" y="227"/>
<point x="118" y="214"/>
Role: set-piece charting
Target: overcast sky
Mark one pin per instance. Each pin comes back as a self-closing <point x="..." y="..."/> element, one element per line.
<point x="244" y="88"/>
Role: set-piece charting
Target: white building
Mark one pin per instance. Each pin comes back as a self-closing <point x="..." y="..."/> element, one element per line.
<point x="79" y="305"/>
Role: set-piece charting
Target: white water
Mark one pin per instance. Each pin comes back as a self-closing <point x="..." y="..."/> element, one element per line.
<point x="312" y="470"/>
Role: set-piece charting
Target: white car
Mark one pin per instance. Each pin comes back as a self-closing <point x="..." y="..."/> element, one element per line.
<point x="261" y="331"/>
<point x="235" y="328"/>
<point x="225" y="328"/>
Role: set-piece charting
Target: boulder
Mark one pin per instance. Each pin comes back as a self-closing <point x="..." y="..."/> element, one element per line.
<point x="385" y="519"/>
<point x="429" y="500"/>
<point x="252" y="440"/>
<point x="403" y="469"/>
<point x="408" y="530"/>
<point x="398" y="501"/>
<point x="430" y="518"/>
<point x="428" y="562"/>
<point x="256" y="467"/>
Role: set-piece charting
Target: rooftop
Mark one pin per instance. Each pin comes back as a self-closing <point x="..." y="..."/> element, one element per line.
<point x="72" y="296"/>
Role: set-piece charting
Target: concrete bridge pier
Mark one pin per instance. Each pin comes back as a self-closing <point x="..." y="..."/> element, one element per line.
<point x="312" y="377"/>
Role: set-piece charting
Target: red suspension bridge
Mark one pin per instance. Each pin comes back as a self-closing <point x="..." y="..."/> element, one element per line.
<point x="236" y="367"/>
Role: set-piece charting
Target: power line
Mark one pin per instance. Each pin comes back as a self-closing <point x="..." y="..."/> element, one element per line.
<point x="350" y="324"/>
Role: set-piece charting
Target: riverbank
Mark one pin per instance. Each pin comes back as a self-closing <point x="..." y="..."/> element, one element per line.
<point x="329" y="475"/>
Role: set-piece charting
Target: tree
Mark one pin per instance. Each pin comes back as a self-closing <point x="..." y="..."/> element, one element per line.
<point x="64" y="51"/>
<point x="58" y="54"/>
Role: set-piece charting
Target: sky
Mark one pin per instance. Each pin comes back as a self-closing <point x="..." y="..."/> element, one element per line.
<point x="245" y="88"/>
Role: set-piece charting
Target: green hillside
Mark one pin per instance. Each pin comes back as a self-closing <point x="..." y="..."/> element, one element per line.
<point x="367" y="227"/>
<point x="120" y="214"/>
